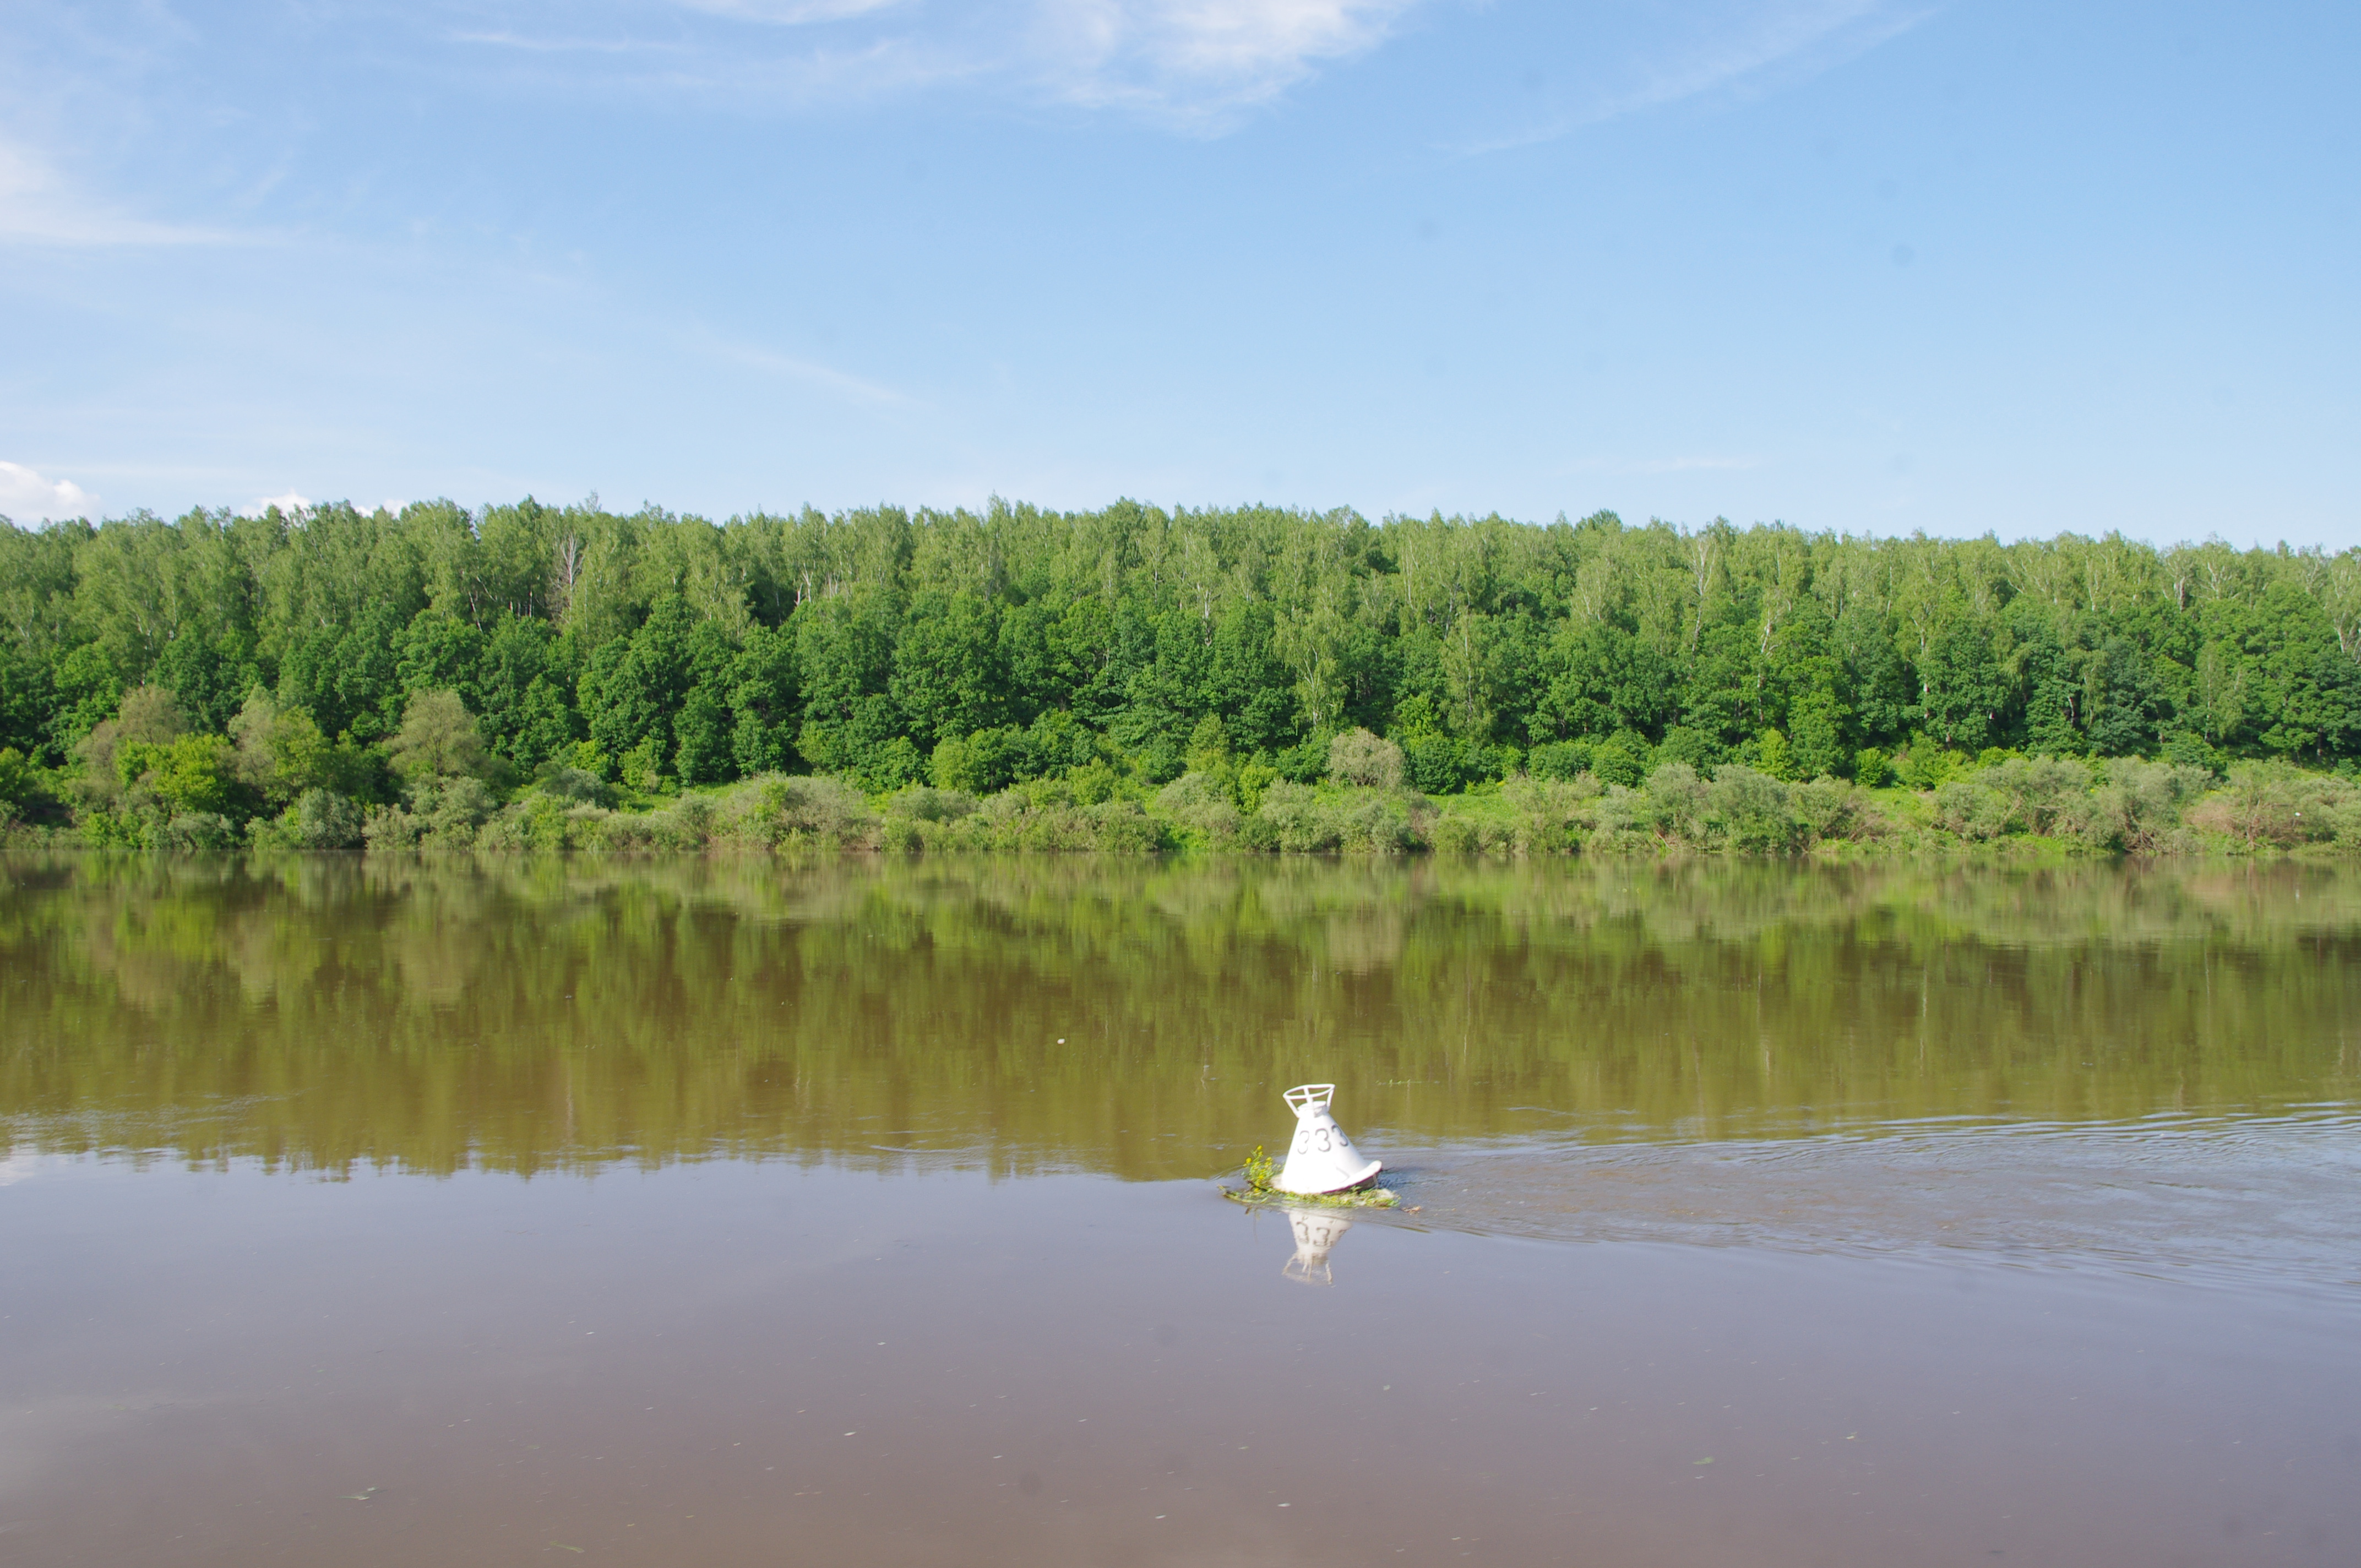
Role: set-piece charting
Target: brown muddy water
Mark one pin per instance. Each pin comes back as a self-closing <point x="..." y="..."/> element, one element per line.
<point x="490" y="1212"/>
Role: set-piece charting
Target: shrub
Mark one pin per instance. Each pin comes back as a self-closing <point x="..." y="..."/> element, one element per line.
<point x="1551" y="815"/>
<point x="438" y="739"/>
<point x="1300" y="819"/>
<point x="191" y="774"/>
<point x="2270" y="803"/>
<point x="442" y="814"/>
<point x="1094" y="781"/>
<point x="2139" y="809"/>
<point x="982" y="763"/>
<point x="1202" y="805"/>
<point x="820" y="808"/>
<point x="1748" y="810"/>
<point x="889" y="766"/>
<point x="1971" y="809"/>
<point x="1305" y="762"/>
<point x="919" y="804"/>
<point x="318" y="819"/>
<point x="1926" y="766"/>
<point x="1559" y="759"/>
<point x="1440" y="764"/>
<point x="1358" y="757"/>
<point x="198" y="831"/>
<point x="1673" y="804"/>
<point x="1828" y="808"/>
<point x="1617" y="761"/>
<point x="542" y="821"/>
<point x="2044" y="793"/>
<point x="1042" y="816"/>
<point x="1124" y="829"/>
<point x="642" y="767"/>
<point x="569" y="785"/>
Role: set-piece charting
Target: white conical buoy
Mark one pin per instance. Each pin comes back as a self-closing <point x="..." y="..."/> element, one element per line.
<point x="1321" y="1158"/>
<point x="1316" y="1231"/>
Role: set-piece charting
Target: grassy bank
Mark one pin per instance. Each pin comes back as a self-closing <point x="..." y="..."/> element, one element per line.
<point x="2011" y="806"/>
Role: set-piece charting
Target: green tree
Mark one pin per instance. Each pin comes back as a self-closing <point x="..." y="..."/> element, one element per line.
<point x="440" y="652"/>
<point x="27" y="701"/>
<point x="844" y="663"/>
<point x="702" y="730"/>
<point x="947" y="678"/>
<point x="438" y="740"/>
<point x="193" y="773"/>
<point x="1963" y="692"/>
<point x="762" y="685"/>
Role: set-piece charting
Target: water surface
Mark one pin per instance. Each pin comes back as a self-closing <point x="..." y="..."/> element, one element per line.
<point x="496" y="1210"/>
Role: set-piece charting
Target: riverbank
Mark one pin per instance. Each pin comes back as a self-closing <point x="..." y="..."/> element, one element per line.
<point x="2011" y="806"/>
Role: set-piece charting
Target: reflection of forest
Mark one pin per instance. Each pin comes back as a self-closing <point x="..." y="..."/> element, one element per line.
<point x="1133" y="1017"/>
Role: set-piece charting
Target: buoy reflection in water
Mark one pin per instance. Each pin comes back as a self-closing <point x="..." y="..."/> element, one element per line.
<point x="1317" y="1232"/>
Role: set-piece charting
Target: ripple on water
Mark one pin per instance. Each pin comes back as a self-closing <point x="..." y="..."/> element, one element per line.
<point x="2223" y="1200"/>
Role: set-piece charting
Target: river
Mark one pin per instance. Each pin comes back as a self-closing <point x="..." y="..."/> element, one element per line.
<point x="488" y="1210"/>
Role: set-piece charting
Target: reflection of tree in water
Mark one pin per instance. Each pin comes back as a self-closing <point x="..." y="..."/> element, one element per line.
<point x="529" y="1014"/>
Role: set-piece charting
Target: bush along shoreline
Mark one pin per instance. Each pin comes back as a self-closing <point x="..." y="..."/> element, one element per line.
<point x="145" y="782"/>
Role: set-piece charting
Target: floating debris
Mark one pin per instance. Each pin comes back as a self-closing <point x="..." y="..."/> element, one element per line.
<point x="1364" y="1198"/>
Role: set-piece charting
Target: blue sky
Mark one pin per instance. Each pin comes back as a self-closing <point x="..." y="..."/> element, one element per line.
<point x="1857" y="266"/>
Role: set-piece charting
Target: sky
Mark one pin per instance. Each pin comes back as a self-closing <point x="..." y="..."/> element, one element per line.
<point x="1863" y="266"/>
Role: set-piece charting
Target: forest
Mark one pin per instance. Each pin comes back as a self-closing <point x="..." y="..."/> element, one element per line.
<point x="319" y="669"/>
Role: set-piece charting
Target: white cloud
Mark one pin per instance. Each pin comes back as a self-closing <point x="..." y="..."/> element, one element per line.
<point x="38" y="206"/>
<point x="28" y="498"/>
<point x="1198" y="60"/>
<point x="289" y="503"/>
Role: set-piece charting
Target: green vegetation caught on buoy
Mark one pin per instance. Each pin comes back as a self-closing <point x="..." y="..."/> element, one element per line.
<point x="1260" y="1171"/>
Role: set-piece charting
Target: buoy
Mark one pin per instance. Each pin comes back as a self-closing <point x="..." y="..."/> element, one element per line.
<point x="1316" y="1231"/>
<point x="1321" y="1158"/>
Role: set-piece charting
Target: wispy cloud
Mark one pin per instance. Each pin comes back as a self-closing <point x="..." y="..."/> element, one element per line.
<point x="29" y="497"/>
<point x="789" y="13"/>
<point x="1736" y="50"/>
<point x="38" y="206"/>
<point x="1656" y="464"/>
<point x="536" y="43"/>
<point x="1194" y="64"/>
<point x="291" y="503"/>
<point x="808" y="371"/>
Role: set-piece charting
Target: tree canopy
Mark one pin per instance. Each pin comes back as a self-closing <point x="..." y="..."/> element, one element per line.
<point x="239" y="659"/>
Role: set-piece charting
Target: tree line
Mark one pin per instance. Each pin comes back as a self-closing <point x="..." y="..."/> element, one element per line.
<point x="228" y="664"/>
